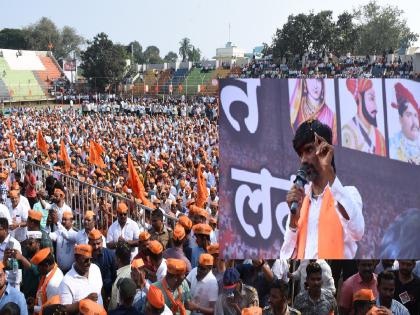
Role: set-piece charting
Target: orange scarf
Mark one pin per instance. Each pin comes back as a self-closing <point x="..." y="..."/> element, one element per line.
<point x="330" y="230"/>
<point x="41" y="292"/>
<point x="176" y="304"/>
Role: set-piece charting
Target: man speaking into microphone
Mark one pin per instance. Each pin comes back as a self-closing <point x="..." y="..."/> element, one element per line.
<point x="326" y="219"/>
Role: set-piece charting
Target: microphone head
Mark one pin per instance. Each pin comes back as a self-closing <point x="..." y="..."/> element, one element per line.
<point x="302" y="171"/>
<point x="301" y="175"/>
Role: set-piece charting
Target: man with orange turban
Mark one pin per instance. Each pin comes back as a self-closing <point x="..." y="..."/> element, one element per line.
<point x="405" y="144"/>
<point x="174" y="287"/>
<point x="204" y="286"/>
<point x="361" y="132"/>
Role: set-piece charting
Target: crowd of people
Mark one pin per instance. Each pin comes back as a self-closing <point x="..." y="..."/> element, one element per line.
<point x="348" y="67"/>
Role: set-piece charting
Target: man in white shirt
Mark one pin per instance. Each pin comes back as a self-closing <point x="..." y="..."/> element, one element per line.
<point x="82" y="237"/>
<point x="84" y="280"/>
<point x="4" y="213"/>
<point x="204" y="287"/>
<point x="19" y="214"/>
<point x="328" y="220"/>
<point x="8" y="242"/>
<point x="158" y="262"/>
<point x="51" y="277"/>
<point x="65" y="246"/>
<point x="59" y="205"/>
<point x="123" y="230"/>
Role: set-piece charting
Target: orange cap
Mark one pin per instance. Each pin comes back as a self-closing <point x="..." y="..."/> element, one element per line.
<point x="176" y="266"/>
<point x="206" y="260"/>
<point x="155" y="247"/>
<point x="84" y="250"/>
<point x="254" y="310"/>
<point x="201" y="212"/>
<point x="95" y="234"/>
<point x="363" y="295"/>
<point x="185" y="222"/>
<point x="68" y="214"/>
<point x="40" y="256"/>
<point x="88" y="307"/>
<point x="144" y="236"/>
<point x="155" y="297"/>
<point x="137" y="263"/>
<point x="35" y="215"/>
<point x="89" y="214"/>
<point x="213" y="249"/>
<point x="122" y="208"/>
<point x="1" y="265"/>
<point x="202" y="228"/>
<point x="52" y="301"/>
<point x="179" y="232"/>
<point x="3" y="175"/>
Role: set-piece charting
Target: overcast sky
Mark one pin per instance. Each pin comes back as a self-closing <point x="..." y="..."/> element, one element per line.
<point x="164" y="23"/>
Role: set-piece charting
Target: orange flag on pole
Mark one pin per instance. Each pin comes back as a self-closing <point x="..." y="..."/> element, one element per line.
<point x="136" y="185"/>
<point x="99" y="149"/>
<point x="202" y="193"/>
<point x="64" y="156"/>
<point x="12" y="143"/>
<point x="94" y="156"/>
<point x="41" y="143"/>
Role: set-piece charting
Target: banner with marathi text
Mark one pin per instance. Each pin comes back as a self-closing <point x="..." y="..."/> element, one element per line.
<point x="376" y="137"/>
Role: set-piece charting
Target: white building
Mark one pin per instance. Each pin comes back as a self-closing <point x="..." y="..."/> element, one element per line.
<point x="231" y="55"/>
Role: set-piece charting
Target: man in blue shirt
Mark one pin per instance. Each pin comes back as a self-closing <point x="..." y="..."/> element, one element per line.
<point x="104" y="258"/>
<point x="10" y="294"/>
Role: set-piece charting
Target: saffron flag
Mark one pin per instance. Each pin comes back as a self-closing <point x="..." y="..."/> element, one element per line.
<point x="136" y="185"/>
<point x="202" y="193"/>
<point x="99" y="149"/>
<point x="64" y="156"/>
<point x="94" y="156"/>
<point x="41" y="143"/>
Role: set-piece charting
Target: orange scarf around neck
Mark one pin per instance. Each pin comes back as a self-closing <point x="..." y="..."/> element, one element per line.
<point x="176" y="304"/>
<point x="42" y="287"/>
<point x="330" y="230"/>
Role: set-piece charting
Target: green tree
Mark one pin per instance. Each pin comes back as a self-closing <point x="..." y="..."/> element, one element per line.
<point x="322" y="32"/>
<point x="152" y="55"/>
<point x="69" y="43"/>
<point x="194" y="54"/>
<point x="137" y="50"/>
<point x="170" y="57"/>
<point x="382" y="29"/>
<point x="184" y="48"/>
<point x="104" y="62"/>
<point x="41" y="34"/>
<point x="12" y="38"/>
<point x="347" y="35"/>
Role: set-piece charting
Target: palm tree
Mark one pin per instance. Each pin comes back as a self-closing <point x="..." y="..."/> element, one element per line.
<point x="185" y="48"/>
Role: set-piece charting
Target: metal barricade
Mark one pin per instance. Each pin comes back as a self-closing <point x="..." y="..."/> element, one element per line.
<point x="81" y="197"/>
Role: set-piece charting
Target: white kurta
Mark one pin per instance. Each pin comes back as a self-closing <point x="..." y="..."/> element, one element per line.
<point x="353" y="229"/>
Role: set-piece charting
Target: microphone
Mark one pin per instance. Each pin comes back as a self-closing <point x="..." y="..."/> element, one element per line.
<point x="300" y="182"/>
